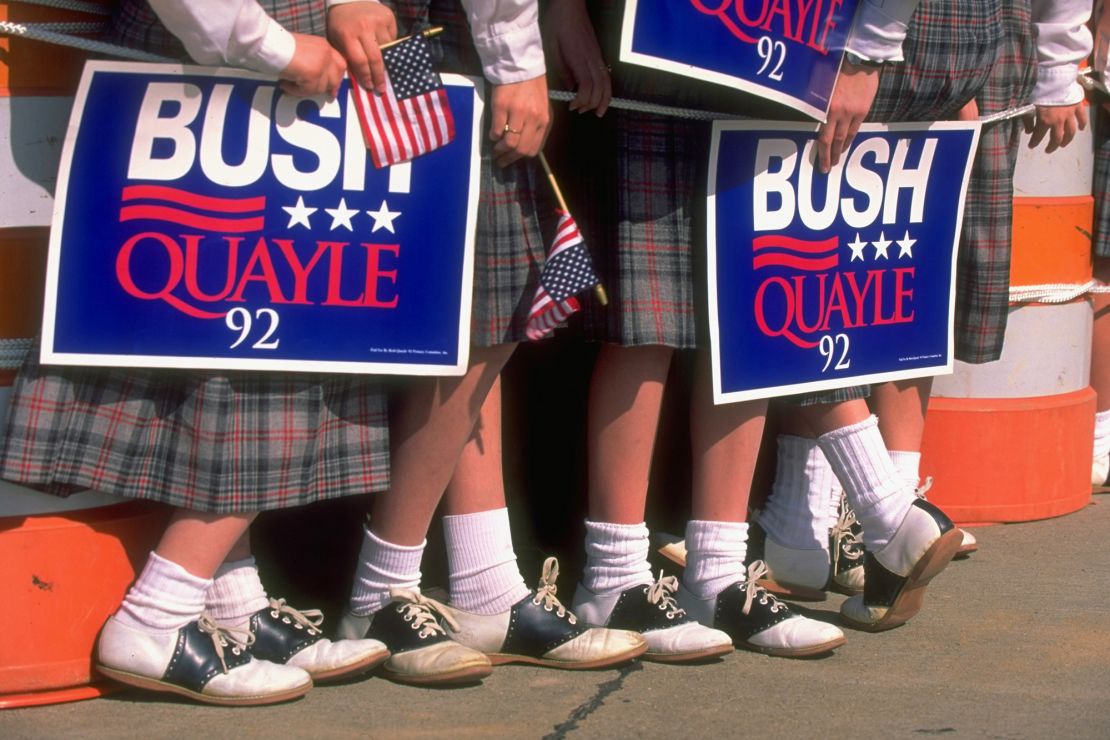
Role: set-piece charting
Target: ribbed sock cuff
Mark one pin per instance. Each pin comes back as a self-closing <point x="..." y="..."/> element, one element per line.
<point x="616" y="556"/>
<point x="382" y="564"/>
<point x="482" y="567"/>
<point x="236" y="592"/>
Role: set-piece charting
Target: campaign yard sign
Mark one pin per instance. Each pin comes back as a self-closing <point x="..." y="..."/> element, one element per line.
<point x="825" y="281"/>
<point x="205" y="219"/>
<point x="788" y="51"/>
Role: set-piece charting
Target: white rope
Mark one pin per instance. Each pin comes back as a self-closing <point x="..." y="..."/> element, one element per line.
<point x="37" y="32"/>
<point x="75" y="5"/>
<point x="1055" y="292"/>
<point x="13" y="352"/>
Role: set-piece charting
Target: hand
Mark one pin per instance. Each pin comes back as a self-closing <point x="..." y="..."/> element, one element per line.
<point x="316" y="68"/>
<point x="358" y="30"/>
<point x="571" y="48"/>
<point x="1060" y="122"/>
<point x="519" y="119"/>
<point x="969" y="112"/>
<point x="851" y="102"/>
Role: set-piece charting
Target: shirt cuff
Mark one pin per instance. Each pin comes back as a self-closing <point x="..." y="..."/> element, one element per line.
<point x="274" y="51"/>
<point x="1057" y="85"/>
<point x="880" y="29"/>
<point x="329" y="3"/>
<point x="512" y="55"/>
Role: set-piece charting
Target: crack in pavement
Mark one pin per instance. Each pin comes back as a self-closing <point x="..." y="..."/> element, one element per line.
<point x="588" y="707"/>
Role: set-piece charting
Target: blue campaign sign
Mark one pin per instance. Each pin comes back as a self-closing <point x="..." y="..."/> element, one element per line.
<point x="826" y="281"/>
<point x="788" y="51"/>
<point x="204" y="219"/>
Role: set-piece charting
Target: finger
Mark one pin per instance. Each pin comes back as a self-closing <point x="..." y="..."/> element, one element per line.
<point x="1039" y="131"/>
<point x="376" y="74"/>
<point x="853" y="129"/>
<point x="598" y="88"/>
<point x="1056" y="136"/>
<point x="606" y="95"/>
<point x="499" y="119"/>
<point x="583" y="95"/>
<point x="1071" y="126"/>
<point x="1028" y="122"/>
<point x="838" y="142"/>
<point x="1081" y="114"/>
<point x="824" y="144"/>
<point x="360" y="65"/>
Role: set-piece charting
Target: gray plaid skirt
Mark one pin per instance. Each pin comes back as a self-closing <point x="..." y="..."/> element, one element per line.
<point x="1102" y="184"/>
<point x="515" y="209"/>
<point x="214" y="442"/>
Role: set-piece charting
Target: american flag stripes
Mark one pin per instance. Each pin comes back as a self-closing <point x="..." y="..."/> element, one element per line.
<point x="412" y="117"/>
<point x="567" y="272"/>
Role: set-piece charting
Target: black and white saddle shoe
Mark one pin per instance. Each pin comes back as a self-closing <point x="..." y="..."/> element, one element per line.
<point x="290" y="636"/>
<point x="846" y="547"/>
<point x="895" y="577"/>
<point x="968" y="543"/>
<point x="421" y="652"/>
<point x="756" y="620"/>
<point x="539" y="630"/>
<point x="798" y="574"/>
<point x="672" y="636"/>
<point x="202" y="660"/>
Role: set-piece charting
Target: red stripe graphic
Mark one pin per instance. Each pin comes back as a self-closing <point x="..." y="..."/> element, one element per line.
<point x="800" y="263"/>
<point x="185" y="198"/>
<point x="185" y="218"/>
<point x="797" y="245"/>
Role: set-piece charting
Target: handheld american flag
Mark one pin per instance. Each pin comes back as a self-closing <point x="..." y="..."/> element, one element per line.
<point x="567" y="272"/>
<point x="412" y="117"/>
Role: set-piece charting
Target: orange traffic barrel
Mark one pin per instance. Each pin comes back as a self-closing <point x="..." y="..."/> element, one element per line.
<point x="1010" y="441"/>
<point x="66" y="562"/>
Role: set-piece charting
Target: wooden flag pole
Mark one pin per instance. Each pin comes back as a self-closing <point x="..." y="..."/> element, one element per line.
<point x="428" y="33"/>
<point x="599" y="289"/>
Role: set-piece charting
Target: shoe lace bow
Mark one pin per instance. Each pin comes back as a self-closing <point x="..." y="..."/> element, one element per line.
<point x="545" y="592"/>
<point x="422" y="612"/>
<point x="306" y="619"/>
<point x="921" y="490"/>
<point x="662" y="592"/>
<point x="847" y="539"/>
<point x="224" y="636"/>
<point x="752" y="590"/>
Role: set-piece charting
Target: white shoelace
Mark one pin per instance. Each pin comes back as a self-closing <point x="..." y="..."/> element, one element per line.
<point x="662" y="592"/>
<point x="846" y="542"/>
<point x="545" y="593"/>
<point x="424" y="613"/>
<point x="225" y="636"/>
<point x="752" y="589"/>
<point x="924" y="487"/>
<point x="308" y="619"/>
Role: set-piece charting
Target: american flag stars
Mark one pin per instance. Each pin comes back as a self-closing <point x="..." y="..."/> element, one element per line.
<point x="342" y="216"/>
<point x="881" y="247"/>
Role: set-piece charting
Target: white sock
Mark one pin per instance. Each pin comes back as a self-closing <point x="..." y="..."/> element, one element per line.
<point x="714" y="556"/>
<point x="483" y="574"/>
<point x="236" y="592"/>
<point x="797" y="511"/>
<point x="165" y="597"/>
<point x="835" y="495"/>
<point x="875" y="490"/>
<point x="908" y="465"/>
<point x="382" y="564"/>
<point x="1102" y="434"/>
<point x="616" y="557"/>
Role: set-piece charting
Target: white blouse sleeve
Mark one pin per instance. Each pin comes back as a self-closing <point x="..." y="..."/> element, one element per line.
<point x="507" y="36"/>
<point x="1063" y="40"/>
<point x="234" y="32"/>
<point x="880" y="29"/>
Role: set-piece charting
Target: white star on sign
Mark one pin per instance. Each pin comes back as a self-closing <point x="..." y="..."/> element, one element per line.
<point x="881" y="245"/>
<point x="905" y="245"/>
<point x="299" y="213"/>
<point x="857" y="249"/>
<point x="383" y="218"/>
<point x="341" y="215"/>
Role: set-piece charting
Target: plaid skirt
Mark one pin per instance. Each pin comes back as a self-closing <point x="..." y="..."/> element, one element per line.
<point x="214" y="442"/>
<point x="1102" y="184"/>
<point x="515" y="209"/>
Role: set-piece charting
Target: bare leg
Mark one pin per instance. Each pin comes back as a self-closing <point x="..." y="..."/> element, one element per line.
<point x="901" y="406"/>
<point x="200" y="542"/>
<point x="479" y="482"/>
<point x="626" y="395"/>
<point x="431" y="423"/>
<point x="826" y="417"/>
<point x="1100" y="347"/>
<point x="725" y="443"/>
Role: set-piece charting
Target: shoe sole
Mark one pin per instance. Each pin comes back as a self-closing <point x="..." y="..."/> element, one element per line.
<point x="470" y="674"/>
<point x="153" y="684"/>
<point x="909" y="600"/>
<point x="792" y="591"/>
<point x="692" y="656"/>
<point x="840" y="589"/>
<point x="799" y="652"/>
<point x="614" y="660"/>
<point x="354" y="669"/>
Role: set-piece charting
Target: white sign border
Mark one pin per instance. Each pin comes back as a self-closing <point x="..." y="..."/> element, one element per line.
<point x="641" y="59"/>
<point x="48" y="356"/>
<point x="722" y="397"/>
